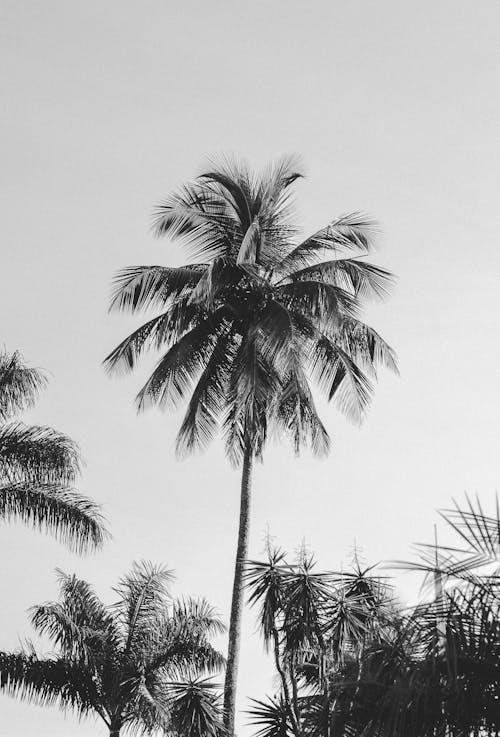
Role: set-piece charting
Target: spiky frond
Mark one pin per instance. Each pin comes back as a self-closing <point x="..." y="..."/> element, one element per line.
<point x="195" y="709"/>
<point x="271" y="717"/>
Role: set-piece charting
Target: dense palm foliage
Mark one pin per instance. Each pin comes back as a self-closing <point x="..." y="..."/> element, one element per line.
<point x="350" y="662"/>
<point x="249" y="321"/>
<point x="38" y="466"/>
<point x="141" y="664"/>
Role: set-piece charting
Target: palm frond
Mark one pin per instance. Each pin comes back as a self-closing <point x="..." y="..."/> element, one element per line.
<point x="146" y="287"/>
<point x="340" y="377"/>
<point x="178" y="368"/>
<point x="272" y="717"/>
<point x="365" y="346"/>
<point x="208" y="398"/>
<point x="80" y="626"/>
<point x="143" y="595"/>
<point x="200" y="218"/>
<point x="19" y="384"/>
<point x="266" y="582"/>
<point x="296" y="413"/>
<point x="37" y="454"/>
<point x="352" y="232"/>
<point x="47" y="682"/>
<point x="71" y="517"/>
<point x="357" y="277"/>
<point x="195" y="708"/>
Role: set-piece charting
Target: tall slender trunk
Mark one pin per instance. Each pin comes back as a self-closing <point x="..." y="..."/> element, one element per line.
<point x="237" y="600"/>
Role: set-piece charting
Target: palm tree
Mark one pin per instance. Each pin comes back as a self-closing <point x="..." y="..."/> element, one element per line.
<point x="244" y="328"/>
<point x="38" y="466"/>
<point x="320" y="627"/>
<point x="141" y="664"/>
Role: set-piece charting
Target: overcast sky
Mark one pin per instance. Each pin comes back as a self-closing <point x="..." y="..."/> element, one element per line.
<point x="108" y="106"/>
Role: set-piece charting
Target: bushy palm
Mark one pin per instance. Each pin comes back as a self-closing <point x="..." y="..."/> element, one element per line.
<point x="38" y="466"/>
<point x="248" y="322"/>
<point x="141" y="664"/>
<point x="320" y="626"/>
<point x="352" y="663"/>
<point x="449" y="678"/>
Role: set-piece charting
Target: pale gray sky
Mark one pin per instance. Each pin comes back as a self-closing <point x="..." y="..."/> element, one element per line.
<point x="107" y="106"/>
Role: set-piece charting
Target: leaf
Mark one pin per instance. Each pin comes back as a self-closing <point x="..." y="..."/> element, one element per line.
<point x="71" y="517"/>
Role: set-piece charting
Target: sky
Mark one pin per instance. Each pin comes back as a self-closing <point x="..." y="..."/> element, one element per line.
<point x="393" y="108"/>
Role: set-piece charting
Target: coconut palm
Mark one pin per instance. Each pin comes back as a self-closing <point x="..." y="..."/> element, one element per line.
<point x="246" y="324"/>
<point x="38" y="465"/>
<point x="141" y="664"/>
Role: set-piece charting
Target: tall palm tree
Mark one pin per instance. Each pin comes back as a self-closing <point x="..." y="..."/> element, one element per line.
<point x="246" y="324"/>
<point x="38" y="466"/>
<point x="141" y="664"/>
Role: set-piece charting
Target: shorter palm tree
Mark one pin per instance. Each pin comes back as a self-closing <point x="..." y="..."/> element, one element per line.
<point x="141" y="664"/>
<point x="320" y="626"/>
<point x="38" y="466"/>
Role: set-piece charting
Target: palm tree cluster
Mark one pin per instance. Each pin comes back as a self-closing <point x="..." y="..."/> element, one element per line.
<point x="141" y="664"/>
<point x="38" y="466"/>
<point x="249" y="321"/>
<point x="351" y="661"/>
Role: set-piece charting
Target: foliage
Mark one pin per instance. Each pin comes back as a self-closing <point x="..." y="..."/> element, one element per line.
<point x="39" y="465"/>
<point x="244" y="328"/>
<point x="351" y="662"/>
<point x="140" y="664"/>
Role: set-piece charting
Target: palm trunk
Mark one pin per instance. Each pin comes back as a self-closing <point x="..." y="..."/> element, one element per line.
<point x="237" y="600"/>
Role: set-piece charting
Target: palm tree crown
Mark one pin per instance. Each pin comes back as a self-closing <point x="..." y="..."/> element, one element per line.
<point x="39" y="465"/>
<point x="242" y="328"/>
<point x="140" y="664"/>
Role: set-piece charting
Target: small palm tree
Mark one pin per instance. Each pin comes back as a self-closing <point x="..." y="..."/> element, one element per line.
<point x="244" y="328"/>
<point x="140" y="664"/>
<point x="319" y="626"/>
<point x="38" y="466"/>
